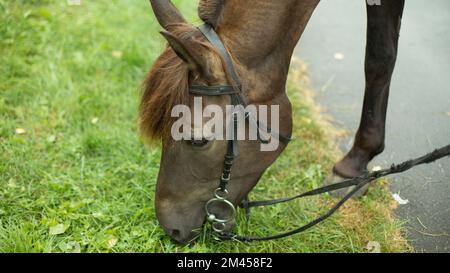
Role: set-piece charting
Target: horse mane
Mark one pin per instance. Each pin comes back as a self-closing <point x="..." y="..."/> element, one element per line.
<point x="166" y="85"/>
<point x="210" y="11"/>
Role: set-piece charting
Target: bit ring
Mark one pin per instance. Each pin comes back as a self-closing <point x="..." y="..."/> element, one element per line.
<point x="212" y="217"/>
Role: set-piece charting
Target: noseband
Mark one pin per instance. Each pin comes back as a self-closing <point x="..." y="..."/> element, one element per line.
<point x="221" y="193"/>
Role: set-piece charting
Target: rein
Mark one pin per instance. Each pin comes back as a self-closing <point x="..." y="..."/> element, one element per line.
<point x="359" y="182"/>
<point x="221" y="193"/>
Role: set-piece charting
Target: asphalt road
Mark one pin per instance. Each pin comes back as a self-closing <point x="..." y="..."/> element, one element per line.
<point x="419" y="110"/>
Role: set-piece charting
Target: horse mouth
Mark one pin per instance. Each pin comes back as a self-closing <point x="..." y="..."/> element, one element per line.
<point x="196" y="233"/>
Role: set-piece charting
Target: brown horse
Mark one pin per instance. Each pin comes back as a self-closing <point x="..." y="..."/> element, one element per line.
<point x="260" y="36"/>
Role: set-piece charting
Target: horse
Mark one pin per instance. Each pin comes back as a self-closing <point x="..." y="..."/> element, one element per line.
<point x="260" y="36"/>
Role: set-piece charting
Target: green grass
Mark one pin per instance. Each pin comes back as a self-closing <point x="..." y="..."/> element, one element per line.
<point x="80" y="179"/>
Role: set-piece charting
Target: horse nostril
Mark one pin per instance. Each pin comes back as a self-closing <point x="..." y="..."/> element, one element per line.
<point x="176" y="233"/>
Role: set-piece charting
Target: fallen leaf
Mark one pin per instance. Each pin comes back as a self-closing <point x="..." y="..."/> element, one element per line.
<point x="117" y="54"/>
<point x="12" y="183"/>
<point x="44" y="13"/>
<point x="111" y="242"/>
<point x="448" y="114"/>
<point x="74" y="2"/>
<point x="74" y="247"/>
<point x="51" y="138"/>
<point x="97" y="214"/>
<point x="20" y="131"/>
<point x="27" y="13"/>
<point x="376" y="168"/>
<point x="57" y="229"/>
<point x="399" y="199"/>
<point x="94" y="120"/>
<point x="339" y="56"/>
<point x="373" y="247"/>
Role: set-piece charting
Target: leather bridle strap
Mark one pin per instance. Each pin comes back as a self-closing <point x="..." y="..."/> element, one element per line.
<point x="232" y="90"/>
<point x="215" y="40"/>
<point x="231" y="236"/>
<point x="232" y="152"/>
<point x="330" y="188"/>
<point x="204" y="90"/>
<point x="358" y="182"/>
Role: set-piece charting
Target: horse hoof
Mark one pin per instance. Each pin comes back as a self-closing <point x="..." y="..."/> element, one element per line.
<point x="334" y="178"/>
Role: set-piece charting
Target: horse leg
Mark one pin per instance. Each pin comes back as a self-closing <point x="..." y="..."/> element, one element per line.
<point x="383" y="28"/>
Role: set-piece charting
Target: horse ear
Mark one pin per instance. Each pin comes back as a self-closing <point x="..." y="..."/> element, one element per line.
<point x="166" y="13"/>
<point x="181" y="49"/>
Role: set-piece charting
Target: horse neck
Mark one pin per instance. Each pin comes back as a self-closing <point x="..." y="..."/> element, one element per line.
<point x="262" y="34"/>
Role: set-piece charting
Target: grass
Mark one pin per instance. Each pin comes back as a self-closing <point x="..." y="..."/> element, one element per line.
<point x="74" y="175"/>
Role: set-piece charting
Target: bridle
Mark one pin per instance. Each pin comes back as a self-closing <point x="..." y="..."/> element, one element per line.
<point x="221" y="193"/>
<point x="234" y="91"/>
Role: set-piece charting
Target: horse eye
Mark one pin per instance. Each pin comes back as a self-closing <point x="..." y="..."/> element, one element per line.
<point x="198" y="143"/>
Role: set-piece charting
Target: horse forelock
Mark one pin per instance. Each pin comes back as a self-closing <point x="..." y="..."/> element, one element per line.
<point x="166" y="86"/>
